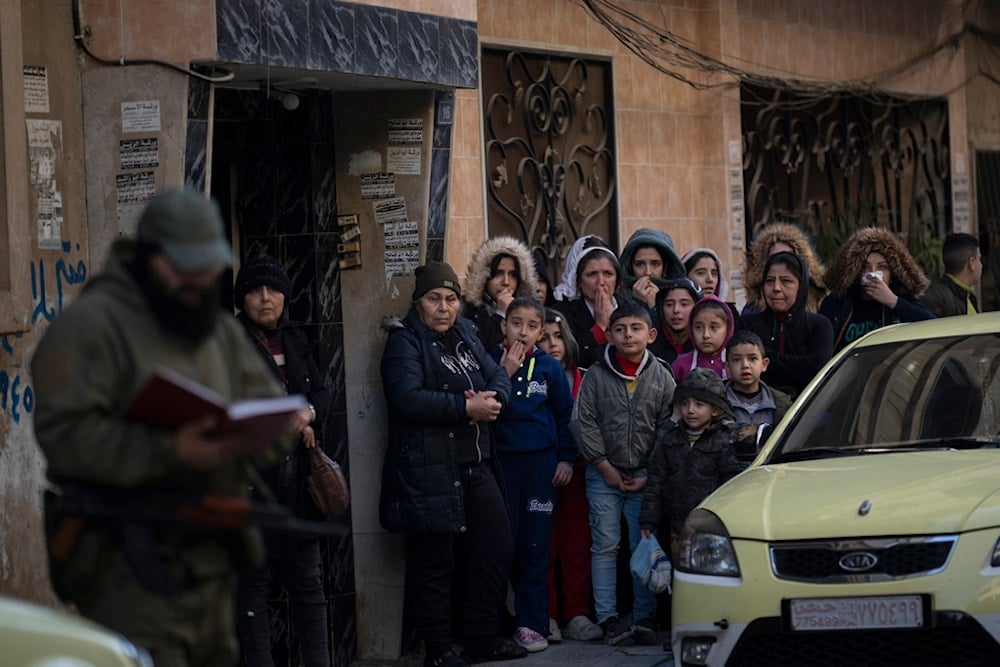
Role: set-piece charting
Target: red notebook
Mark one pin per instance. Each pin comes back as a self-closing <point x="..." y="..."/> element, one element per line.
<point x="169" y="400"/>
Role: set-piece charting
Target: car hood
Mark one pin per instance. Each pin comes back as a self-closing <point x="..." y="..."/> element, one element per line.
<point x="908" y="493"/>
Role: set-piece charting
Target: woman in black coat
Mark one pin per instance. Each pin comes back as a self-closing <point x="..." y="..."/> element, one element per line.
<point x="796" y="342"/>
<point x="261" y="293"/>
<point x="439" y="480"/>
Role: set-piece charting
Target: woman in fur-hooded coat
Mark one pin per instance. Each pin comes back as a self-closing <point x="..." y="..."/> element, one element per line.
<point x="760" y="250"/>
<point x="857" y="306"/>
<point x="485" y="299"/>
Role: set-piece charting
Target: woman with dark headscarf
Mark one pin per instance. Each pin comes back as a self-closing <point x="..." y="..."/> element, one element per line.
<point x="874" y="281"/>
<point x="774" y="238"/>
<point x="262" y="294"/>
<point x="796" y="342"/>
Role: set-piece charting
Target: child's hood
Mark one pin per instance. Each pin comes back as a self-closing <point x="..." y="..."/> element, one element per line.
<point x="672" y="265"/>
<point x="727" y="313"/>
<point x="722" y="289"/>
<point x="611" y="363"/>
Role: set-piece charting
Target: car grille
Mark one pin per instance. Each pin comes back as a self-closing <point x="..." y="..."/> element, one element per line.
<point x="883" y="559"/>
<point x="952" y="642"/>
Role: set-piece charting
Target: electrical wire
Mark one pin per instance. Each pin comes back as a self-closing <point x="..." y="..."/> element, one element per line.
<point x="81" y="35"/>
<point x="678" y="58"/>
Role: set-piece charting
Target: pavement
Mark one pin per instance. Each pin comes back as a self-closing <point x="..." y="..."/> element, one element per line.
<point x="580" y="654"/>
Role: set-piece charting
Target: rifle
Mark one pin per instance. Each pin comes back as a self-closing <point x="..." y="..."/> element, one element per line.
<point x="71" y="508"/>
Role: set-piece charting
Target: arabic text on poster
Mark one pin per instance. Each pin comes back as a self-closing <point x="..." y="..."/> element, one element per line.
<point x="138" y="153"/>
<point x="378" y="186"/>
<point x="403" y="160"/>
<point x="390" y="210"/>
<point x="36" y="89"/>
<point x="406" y="130"/>
<point x="401" y="234"/>
<point x="141" y="116"/>
<point x="401" y="262"/>
<point x="44" y="147"/>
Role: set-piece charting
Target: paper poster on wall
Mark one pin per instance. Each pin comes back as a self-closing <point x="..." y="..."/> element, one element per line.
<point x="133" y="191"/>
<point x="401" y="234"/>
<point x="378" y="186"/>
<point x="138" y="153"/>
<point x="406" y="130"/>
<point x="961" y="217"/>
<point x="44" y="148"/>
<point x="390" y="210"/>
<point x="141" y="116"/>
<point x="401" y="262"/>
<point x="403" y="160"/>
<point x="36" y="89"/>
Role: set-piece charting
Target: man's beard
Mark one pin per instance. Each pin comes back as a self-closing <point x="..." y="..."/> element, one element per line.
<point x="191" y="321"/>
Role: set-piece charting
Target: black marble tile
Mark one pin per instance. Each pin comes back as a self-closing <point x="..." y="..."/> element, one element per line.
<point x="437" y="210"/>
<point x="444" y="118"/>
<point x="286" y="42"/>
<point x="377" y="41"/>
<point x="324" y="197"/>
<point x="255" y="246"/>
<point x="341" y="559"/>
<point x="331" y="358"/>
<point x="195" y="152"/>
<point x="198" y="95"/>
<point x="256" y="205"/>
<point x="321" y="118"/>
<point x="238" y="25"/>
<point x="331" y="36"/>
<point x="240" y="104"/>
<point x="293" y="205"/>
<point x="459" y="54"/>
<point x="328" y="278"/>
<point x="419" y="46"/>
<point x="297" y="254"/>
<point x="344" y="634"/>
<point x="435" y="249"/>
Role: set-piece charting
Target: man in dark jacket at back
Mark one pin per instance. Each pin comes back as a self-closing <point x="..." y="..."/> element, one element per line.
<point x="954" y="292"/>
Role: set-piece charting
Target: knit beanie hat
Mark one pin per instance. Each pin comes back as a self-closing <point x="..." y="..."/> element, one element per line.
<point x="703" y="384"/>
<point x="433" y="275"/>
<point x="261" y="271"/>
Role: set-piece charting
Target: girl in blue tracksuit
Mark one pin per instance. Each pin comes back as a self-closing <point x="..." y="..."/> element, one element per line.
<point x="536" y="454"/>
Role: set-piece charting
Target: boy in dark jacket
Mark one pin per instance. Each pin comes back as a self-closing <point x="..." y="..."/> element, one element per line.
<point x="754" y="404"/>
<point x="622" y="410"/>
<point x="695" y="458"/>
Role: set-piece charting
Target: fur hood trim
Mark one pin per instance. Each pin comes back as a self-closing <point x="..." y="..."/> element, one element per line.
<point x="908" y="278"/>
<point x="753" y="270"/>
<point x="478" y="272"/>
<point x="722" y="289"/>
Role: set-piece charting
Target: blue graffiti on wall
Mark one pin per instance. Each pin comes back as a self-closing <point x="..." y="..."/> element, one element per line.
<point x="65" y="274"/>
<point x="16" y="395"/>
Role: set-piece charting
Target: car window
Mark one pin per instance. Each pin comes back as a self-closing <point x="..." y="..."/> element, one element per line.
<point x="941" y="392"/>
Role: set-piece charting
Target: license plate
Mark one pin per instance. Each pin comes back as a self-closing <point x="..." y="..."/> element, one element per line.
<point x="896" y="611"/>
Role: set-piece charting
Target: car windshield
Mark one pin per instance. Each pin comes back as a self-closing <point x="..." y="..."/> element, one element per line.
<point x="921" y="394"/>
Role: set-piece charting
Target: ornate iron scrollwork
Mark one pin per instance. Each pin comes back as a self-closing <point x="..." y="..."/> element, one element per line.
<point x="835" y="165"/>
<point x="549" y="151"/>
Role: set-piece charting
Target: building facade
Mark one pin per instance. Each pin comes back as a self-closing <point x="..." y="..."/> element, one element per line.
<point x="352" y="140"/>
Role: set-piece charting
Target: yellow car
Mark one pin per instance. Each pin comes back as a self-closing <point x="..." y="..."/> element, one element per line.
<point x="35" y="636"/>
<point x="867" y="530"/>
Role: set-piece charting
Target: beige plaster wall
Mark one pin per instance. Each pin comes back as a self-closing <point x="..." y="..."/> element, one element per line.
<point x="51" y="160"/>
<point x="456" y="9"/>
<point x="369" y="295"/>
<point x="676" y="144"/>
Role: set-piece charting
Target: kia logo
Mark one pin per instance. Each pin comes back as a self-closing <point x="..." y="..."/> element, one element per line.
<point x="858" y="561"/>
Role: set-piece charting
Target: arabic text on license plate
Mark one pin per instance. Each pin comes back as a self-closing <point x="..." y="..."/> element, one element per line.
<point x="898" y="611"/>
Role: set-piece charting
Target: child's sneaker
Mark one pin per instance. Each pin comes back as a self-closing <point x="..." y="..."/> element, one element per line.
<point x="615" y="632"/>
<point x="644" y="632"/>
<point x="530" y="640"/>
<point x="583" y="629"/>
<point x="555" y="634"/>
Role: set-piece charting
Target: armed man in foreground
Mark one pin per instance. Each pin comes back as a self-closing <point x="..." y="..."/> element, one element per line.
<point x="166" y="585"/>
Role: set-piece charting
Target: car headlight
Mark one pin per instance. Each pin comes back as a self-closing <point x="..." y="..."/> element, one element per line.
<point x="705" y="546"/>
